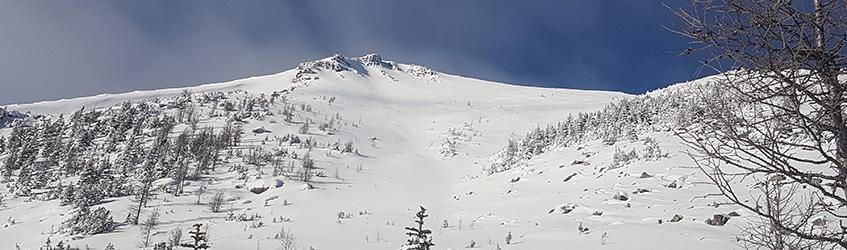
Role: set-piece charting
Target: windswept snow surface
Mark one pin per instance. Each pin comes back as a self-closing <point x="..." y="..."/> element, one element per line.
<point x="424" y="138"/>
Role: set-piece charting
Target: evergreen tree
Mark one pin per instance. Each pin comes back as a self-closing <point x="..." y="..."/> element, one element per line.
<point x="72" y="163"/>
<point x="132" y="155"/>
<point x="90" y="187"/>
<point x="24" y="183"/>
<point x="143" y="193"/>
<point x="419" y="238"/>
<point x="51" y="139"/>
<point x="307" y="165"/>
<point x="23" y="150"/>
<point x="89" y="191"/>
<point x="202" y="148"/>
<point x="86" y="221"/>
<point x="179" y="154"/>
<point x="68" y="194"/>
<point x="199" y="237"/>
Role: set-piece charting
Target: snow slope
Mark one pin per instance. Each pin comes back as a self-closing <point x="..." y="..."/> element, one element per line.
<point x="424" y="138"/>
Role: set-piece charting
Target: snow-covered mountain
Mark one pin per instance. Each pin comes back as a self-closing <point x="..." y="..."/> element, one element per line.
<point x="341" y="152"/>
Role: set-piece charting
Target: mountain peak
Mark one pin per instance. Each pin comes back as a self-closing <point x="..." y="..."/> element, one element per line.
<point x="336" y="62"/>
<point x="374" y="59"/>
<point x="339" y="63"/>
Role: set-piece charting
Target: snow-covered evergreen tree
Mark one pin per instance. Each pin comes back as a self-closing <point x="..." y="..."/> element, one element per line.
<point x="419" y="237"/>
<point x="199" y="237"/>
<point x="83" y="220"/>
<point x="143" y="192"/>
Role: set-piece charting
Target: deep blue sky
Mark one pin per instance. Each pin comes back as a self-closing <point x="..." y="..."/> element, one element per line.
<point x="60" y="49"/>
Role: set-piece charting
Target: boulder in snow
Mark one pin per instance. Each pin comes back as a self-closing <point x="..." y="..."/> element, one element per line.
<point x="258" y="186"/>
<point x="641" y="190"/>
<point x="820" y="222"/>
<point x="260" y="130"/>
<point x="563" y="209"/>
<point x="259" y="189"/>
<point x="674" y="185"/>
<point x="580" y="162"/>
<point x="621" y="196"/>
<point x="718" y="220"/>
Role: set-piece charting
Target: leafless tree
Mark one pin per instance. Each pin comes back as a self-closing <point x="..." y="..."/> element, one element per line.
<point x="780" y="201"/>
<point x="775" y="114"/>
<point x="286" y="239"/>
<point x="217" y="202"/>
<point x="176" y="236"/>
<point x="200" y="190"/>
<point x="148" y="228"/>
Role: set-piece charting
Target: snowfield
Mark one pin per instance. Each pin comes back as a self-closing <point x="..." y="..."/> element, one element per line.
<point x="419" y="138"/>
